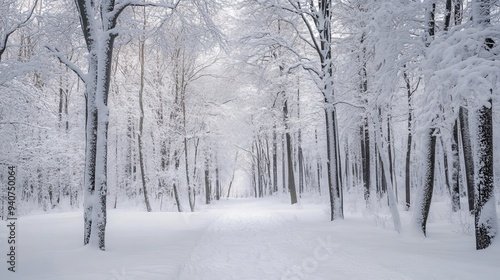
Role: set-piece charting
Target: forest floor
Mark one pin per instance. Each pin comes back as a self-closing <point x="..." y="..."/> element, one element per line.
<point x="247" y="239"/>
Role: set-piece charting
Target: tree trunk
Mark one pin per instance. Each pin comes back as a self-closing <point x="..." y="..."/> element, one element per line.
<point x="141" y="125"/>
<point x="429" y="146"/>
<point x="485" y="214"/>
<point x="391" y="158"/>
<point x="331" y="164"/>
<point x="458" y="12"/>
<point x="90" y="152"/>
<point x="174" y="185"/>
<point x="191" y="194"/>
<point x="300" y="154"/>
<point x="283" y="163"/>
<point x="445" y="167"/>
<point x="208" y="188"/>
<point x="318" y="163"/>
<point x="422" y="210"/>
<point x="217" y="180"/>
<point x="365" y="158"/>
<point x="468" y="158"/>
<point x="275" y="160"/>
<point x="291" y="179"/>
<point x="340" y="181"/>
<point x="258" y="164"/>
<point x="97" y="81"/>
<point x="387" y="175"/>
<point x="455" y="167"/>
<point x="408" y="144"/>
<point x="232" y="176"/>
<point x="486" y="221"/>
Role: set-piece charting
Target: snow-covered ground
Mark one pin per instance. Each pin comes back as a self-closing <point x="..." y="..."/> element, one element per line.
<point x="245" y="239"/>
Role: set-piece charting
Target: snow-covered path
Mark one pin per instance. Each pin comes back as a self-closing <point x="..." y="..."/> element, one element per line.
<point x="246" y="243"/>
<point x="245" y="239"/>
<point x="255" y="243"/>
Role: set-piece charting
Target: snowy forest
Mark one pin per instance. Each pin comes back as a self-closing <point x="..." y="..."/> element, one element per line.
<point x="228" y="139"/>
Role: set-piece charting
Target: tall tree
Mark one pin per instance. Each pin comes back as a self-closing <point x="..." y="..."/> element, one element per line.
<point x="140" y="141"/>
<point x="289" y="156"/>
<point x="315" y="31"/>
<point x="429" y="146"/>
<point x="98" y="21"/>
<point x="486" y="222"/>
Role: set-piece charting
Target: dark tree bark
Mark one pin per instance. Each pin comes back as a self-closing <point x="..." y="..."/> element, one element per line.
<point x="365" y="159"/>
<point x="217" y="180"/>
<point x="258" y="163"/>
<point x="428" y="187"/>
<point x="447" y="15"/>
<point x="365" y="133"/>
<point x="208" y="187"/>
<point x="409" y="143"/>
<point x="485" y="214"/>
<point x="455" y="167"/>
<point x="445" y="166"/>
<point x="458" y="11"/>
<point x="289" y="153"/>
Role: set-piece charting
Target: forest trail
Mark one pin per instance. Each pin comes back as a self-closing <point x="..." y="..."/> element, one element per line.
<point x="254" y="241"/>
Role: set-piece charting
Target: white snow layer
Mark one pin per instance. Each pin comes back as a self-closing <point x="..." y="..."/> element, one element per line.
<point x="245" y="240"/>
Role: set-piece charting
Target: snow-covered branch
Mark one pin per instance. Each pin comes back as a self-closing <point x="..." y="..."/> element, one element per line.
<point x="120" y="7"/>
<point x="64" y="60"/>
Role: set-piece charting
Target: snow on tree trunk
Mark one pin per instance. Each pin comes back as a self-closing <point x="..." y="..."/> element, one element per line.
<point x="141" y="124"/>
<point x="409" y="143"/>
<point x="208" y="188"/>
<point x="424" y="197"/>
<point x="291" y="177"/>
<point x="90" y="158"/>
<point x="365" y="159"/>
<point x="331" y="164"/>
<point x="485" y="215"/>
<point x="393" y="205"/>
<point x="323" y="25"/>
<point x="468" y="158"/>
<point x="98" y="21"/>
